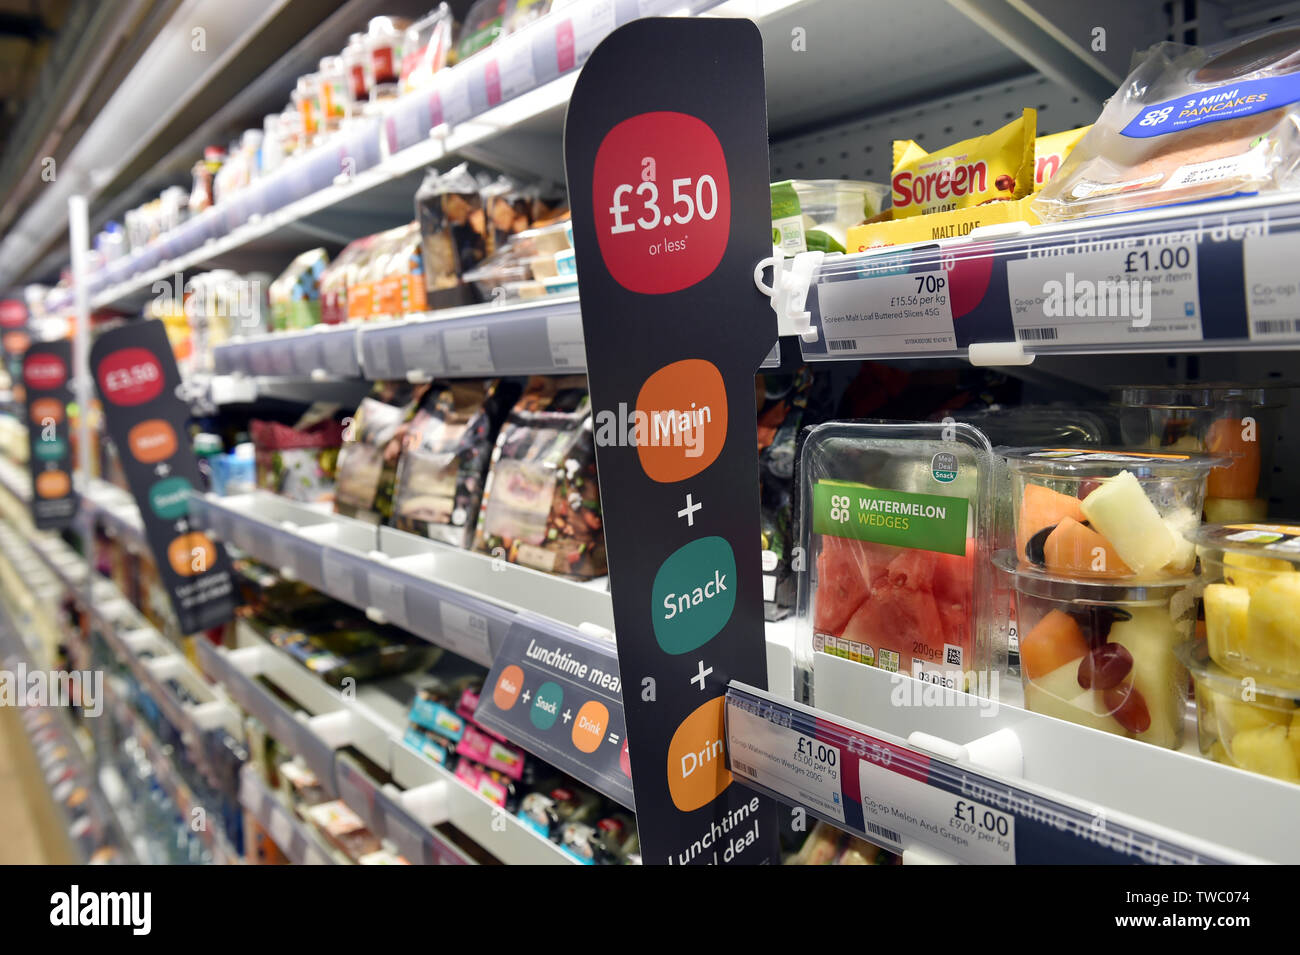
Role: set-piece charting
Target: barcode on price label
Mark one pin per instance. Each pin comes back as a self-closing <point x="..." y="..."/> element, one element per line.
<point x="1272" y="285"/>
<point x="843" y="344"/>
<point x="1037" y="334"/>
<point x="890" y="834"/>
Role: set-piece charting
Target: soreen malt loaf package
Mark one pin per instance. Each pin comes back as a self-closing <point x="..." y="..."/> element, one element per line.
<point x="445" y="457"/>
<point x="541" y="503"/>
<point x="1189" y="124"/>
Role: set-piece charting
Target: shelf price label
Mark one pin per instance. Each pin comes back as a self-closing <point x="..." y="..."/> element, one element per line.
<point x="577" y="35"/>
<point x="1272" y="286"/>
<point x="888" y="314"/>
<point x="1123" y="292"/>
<point x="800" y="767"/>
<point x="564" y="335"/>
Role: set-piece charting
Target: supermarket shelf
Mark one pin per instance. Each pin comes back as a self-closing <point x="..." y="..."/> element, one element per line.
<point x="1213" y="276"/>
<point x="15" y="479"/>
<point x="116" y="511"/>
<point x="1069" y="791"/>
<point x="463" y="601"/>
<point x="430" y="794"/>
<point x="294" y="837"/>
<point x="223" y="853"/>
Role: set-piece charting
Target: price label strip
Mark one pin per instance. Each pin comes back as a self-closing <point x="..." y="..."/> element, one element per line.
<point x="896" y="797"/>
<point x="564" y="335"/>
<point x="464" y="631"/>
<point x="577" y="35"/>
<point x="1143" y="289"/>
<point x="467" y="350"/>
<point x="888" y="313"/>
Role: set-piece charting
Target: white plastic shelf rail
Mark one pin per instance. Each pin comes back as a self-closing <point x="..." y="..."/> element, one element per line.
<point x="1052" y="791"/>
<point x="429" y="795"/>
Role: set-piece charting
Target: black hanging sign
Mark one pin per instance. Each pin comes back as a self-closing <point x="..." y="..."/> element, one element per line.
<point x="47" y="381"/>
<point x="137" y="380"/>
<point x="666" y="152"/>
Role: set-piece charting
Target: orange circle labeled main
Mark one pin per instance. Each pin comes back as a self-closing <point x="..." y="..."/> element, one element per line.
<point x="152" y="441"/>
<point x="191" y="554"/>
<point x="51" y="484"/>
<point x="681" y="420"/>
<point x="697" y="759"/>
<point x="589" y="726"/>
<point x="509" y="683"/>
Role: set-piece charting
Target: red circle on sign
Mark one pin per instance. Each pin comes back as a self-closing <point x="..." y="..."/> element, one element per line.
<point x="13" y="313"/>
<point x="130" y="376"/>
<point x="662" y="202"/>
<point x="44" y="372"/>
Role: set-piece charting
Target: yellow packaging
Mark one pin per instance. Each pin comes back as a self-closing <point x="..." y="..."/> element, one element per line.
<point x="1050" y="153"/>
<point x="973" y="171"/>
<point x="939" y="225"/>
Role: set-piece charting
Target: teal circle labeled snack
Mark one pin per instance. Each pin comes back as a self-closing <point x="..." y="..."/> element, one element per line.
<point x="694" y="594"/>
<point x="52" y="450"/>
<point x="170" y="498"/>
<point x="546" y="705"/>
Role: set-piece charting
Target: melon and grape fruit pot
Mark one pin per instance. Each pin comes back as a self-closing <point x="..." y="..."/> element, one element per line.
<point x="1124" y="680"/>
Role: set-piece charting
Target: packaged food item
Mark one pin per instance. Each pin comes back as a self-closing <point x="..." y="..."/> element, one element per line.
<point x="302" y="786"/>
<point x="1242" y="722"/>
<point x="354" y="65"/>
<point x="453" y="227"/>
<point x="384" y="37"/>
<point x="338" y="278"/>
<point x="201" y="195"/>
<point x="399" y="288"/>
<point x="508" y="211"/>
<point x="814" y="215"/>
<point x="307" y="102"/>
<point x="448" y="447"/>
<point x="1245" y="425"/>
<point x="498" y="272"/>
<point x="1102" y="654"/>
<point x="897" y="525"/>
<point x="349" y="648"/>
<point x="491" y="753"/>
<point x="1188" y="124"/>
<point x="295" y="294"/>
<point x="297" y="462"/>
<point x="788" y="404"/>
<point x="1250" y="591"/>
<point x="434" y="710"/>
<point x="541" y="501"/>
<point x="344" y="828"/>
<point x="335" y="97"/>
<point x="1051" y="151"/>
<point x="372" y="444"/>
<point x="520" y="13"/>
<point x="827" y="845"/>
<point x="425" y="48"/>
<point x="1107" y="514"/>
<point x="974" y="171"/>
<point x="483" y="26"/>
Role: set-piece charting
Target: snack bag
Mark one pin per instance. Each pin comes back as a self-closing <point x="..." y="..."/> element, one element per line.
<point x="295" y="295"/>
<point x="444" y="462"/>
<point x="1051" y="151"/>
<point x="299" y="462"/>
<point x="541" y="503"/>
<point x="453" y="226"/>
<point x="1189" y="124"/>
<point x="969" y="173"/>
<point x="369" y="456"/>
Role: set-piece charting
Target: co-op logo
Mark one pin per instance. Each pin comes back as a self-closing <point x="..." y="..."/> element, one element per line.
<point x="44" y="372"/>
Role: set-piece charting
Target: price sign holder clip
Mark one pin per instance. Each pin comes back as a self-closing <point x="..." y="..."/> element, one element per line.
<point x="789" y="289"/>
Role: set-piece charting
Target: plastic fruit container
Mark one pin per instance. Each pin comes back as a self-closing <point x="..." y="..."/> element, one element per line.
<point x="1096" y="514"/>
<point x="1243" y="723"/>
<point x="1250" y="589"/>
<point x="1103" y="655"/>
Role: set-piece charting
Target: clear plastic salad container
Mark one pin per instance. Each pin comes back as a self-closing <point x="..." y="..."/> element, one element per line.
<point x="1250" y="580"/>
<point x="1101" y="654"/>
<point x="1107" y="514"/>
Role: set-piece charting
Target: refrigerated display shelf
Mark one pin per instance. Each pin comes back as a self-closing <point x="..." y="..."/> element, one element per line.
<point x="116" y="512"/>
<point x="1210" y="276"/>
<point x="296" y="839"/>
<point x="1066" y="793"/>
<point x="372" y="722"/>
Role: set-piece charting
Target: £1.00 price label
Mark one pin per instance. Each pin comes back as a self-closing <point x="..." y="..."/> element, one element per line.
<point x="799" y="767"/>
<point x="662" y="202"/>
<point x="1134" y="293"/>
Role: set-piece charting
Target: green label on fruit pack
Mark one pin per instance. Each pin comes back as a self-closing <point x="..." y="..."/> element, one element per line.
<point x="901" y="518"/>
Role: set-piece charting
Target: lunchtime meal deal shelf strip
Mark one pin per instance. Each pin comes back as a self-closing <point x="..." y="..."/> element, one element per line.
<point x="536" y="632"/>
<point x="1212" y="276"/>
<point x="935" y="771"/>
<point x="430" y="794"/>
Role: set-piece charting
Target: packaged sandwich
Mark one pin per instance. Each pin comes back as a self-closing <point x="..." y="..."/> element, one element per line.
<point x="371" y="447"/>
<point x="444" y="462"/>
<point x="972" y="172"/>
<point x="1189" y="124"/>
<point x="541" y="502"/>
